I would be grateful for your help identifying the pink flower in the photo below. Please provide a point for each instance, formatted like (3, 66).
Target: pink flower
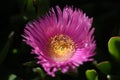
(62, 40)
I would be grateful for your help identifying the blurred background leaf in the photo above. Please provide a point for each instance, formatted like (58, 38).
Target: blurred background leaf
(6, 48)
(42, 6)
(30, 63)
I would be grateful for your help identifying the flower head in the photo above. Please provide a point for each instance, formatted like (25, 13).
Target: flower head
(62, 40)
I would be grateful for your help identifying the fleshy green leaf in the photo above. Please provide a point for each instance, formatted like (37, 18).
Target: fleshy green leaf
(5, 49)
(114, 47)
(12, 77)
(91, 74)
(104, 67)
(39, 71)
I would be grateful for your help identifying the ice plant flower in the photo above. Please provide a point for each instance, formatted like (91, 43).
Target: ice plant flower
(62, 40)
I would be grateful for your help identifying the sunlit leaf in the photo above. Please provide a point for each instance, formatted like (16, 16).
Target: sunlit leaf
(114, 47)
(104, 67)
(12, 77)
(39, 71)
(91, 74)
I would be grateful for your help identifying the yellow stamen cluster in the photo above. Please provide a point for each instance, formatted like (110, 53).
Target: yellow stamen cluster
(61, 47)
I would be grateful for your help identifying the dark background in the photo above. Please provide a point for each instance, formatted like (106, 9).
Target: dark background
(106, 20)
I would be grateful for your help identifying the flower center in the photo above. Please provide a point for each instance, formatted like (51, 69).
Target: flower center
(61, 47)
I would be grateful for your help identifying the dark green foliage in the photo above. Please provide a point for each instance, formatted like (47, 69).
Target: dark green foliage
(16, 62)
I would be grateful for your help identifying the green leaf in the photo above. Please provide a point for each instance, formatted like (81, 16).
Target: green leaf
(39, 71)
(12, 77)
(5, 50)
(29, 8)
(104, 67)
(30, 64)
(114, 47)
(91, 74)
